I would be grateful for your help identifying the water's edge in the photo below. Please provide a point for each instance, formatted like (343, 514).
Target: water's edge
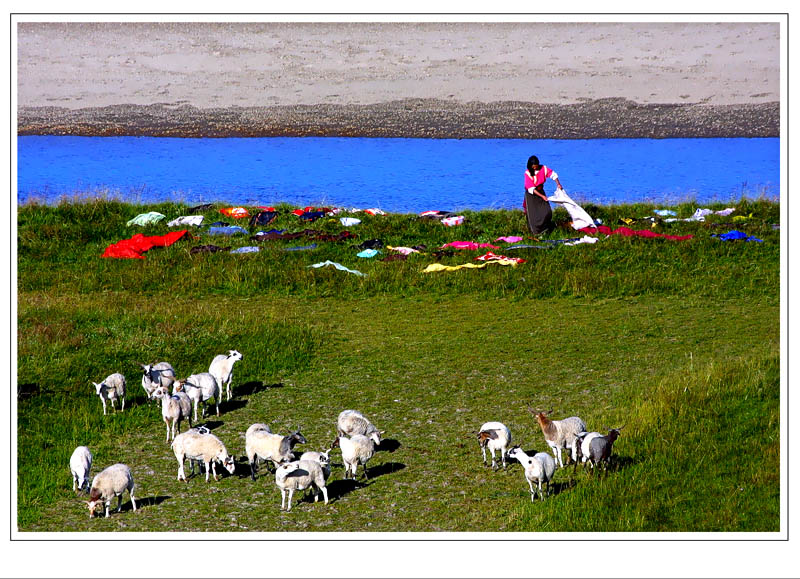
(611, 118)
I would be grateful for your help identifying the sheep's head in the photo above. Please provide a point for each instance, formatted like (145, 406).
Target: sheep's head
(177, 386)
(297, 437)
(98, 387)
(234, 355)
(376, 436)
(613, 433)
(229, 464)
(484, 436)
(146, 368)
(94, 501)
(334, 444)
(514, 452)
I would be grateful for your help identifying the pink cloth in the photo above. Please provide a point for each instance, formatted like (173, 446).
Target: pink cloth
(469, 245)
(627, 232)
(509, 239)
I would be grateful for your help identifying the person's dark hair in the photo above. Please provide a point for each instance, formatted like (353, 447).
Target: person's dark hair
(532, 160)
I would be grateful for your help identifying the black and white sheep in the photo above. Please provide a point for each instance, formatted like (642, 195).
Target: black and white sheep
(300, 475)
(352, 422)
(539, 468)
(598, 449)
(111, 482)
(80, 465)
(200, 388)
(269, 446)
(156, 375)
(494, 436)
(559, 434)
(198, 444)
(113, 389)
(222, 369)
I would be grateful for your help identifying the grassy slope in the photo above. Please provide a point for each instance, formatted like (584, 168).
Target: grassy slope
(669, 338)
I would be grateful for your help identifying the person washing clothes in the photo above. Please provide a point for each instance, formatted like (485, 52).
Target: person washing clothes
(537, 208)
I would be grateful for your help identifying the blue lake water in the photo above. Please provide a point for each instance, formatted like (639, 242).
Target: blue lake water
(397, 175)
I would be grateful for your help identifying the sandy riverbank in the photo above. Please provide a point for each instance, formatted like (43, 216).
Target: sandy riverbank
(530, 80)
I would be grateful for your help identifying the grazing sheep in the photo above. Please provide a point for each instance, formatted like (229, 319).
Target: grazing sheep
(222, 369)
(112, 388)
(600, 448)
(495, 436)
(580, 447)
(257, 426)
(539, 468)
(352, 422)
(155, 375)
(559, 433)
(300, 475)
(200, 388)
(265, 445)
(110, 483)
(357, 449)
(173, 409)
(200, 445)
(80, 465)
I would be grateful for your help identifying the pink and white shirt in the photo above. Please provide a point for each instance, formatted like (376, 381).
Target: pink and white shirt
(538, 178)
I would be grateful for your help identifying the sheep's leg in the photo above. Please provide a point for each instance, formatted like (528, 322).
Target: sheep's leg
(541, 494)
(366, 476)
(283, 497)
(123, 405)
(213, 469)
(195, 410)
(119, 502)
(325, 494)
(503, 456)
(182, 473)
(494, 463)
(133, 499)
(216, 403)
(353, 469)
(114, 408)
(166, 421)
(289, 502)
(253, 468)
(104, 406)
(74, 483)
(207, 471)
(483, 451)
(107, 504)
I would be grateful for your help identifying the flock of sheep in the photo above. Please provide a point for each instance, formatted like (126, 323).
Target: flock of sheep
(568, 434)
(357, 439)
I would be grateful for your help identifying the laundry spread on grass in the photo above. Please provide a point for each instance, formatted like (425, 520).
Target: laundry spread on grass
(135, 247)
(628, 232)
(735, 235)
(367, 253)
(451, 221)
(196, 220)
(492, 257)
(235, 212)
(338, 266)
(227, 230)
(208, 249)
(315, 234)
(471, 245)
(403, 250)
(510, 239)
(263, 218)
(301, 247)
(434, 267)
(701, 214)
(584, 239)
(147, 218)
(349, 221)
(665, 212)
(248, 249)
(526, 246)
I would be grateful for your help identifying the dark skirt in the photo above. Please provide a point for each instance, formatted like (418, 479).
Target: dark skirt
(540, 216)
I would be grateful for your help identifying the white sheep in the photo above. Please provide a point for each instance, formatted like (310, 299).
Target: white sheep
(597, 450)
(155, 375)
(352, 422)
(80, 465)
(580, 447)
(113, 389)
(110, 483)
(200, 388)
(257, 426)
(559, 433)
(222, 369)
(539, 468)
(300, 475)
(174, 409)
(323, 458)
(494, 436)
(260, 443)
(357, 449)
(202, 446)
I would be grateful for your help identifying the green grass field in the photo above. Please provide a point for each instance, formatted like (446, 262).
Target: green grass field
(676, 340)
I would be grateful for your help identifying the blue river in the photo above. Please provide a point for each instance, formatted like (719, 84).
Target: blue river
(395, 175)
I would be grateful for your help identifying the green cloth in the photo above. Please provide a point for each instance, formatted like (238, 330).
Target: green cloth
(146, 218)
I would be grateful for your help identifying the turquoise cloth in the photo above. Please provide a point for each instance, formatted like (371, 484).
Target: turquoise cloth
(368, 253)
(147, 218)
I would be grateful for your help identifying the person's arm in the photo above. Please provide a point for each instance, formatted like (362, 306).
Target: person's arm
(558, 183)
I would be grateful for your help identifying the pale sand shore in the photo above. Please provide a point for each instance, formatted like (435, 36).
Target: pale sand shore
(400, 79)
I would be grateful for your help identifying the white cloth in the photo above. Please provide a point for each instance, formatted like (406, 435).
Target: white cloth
(580, 218)
(196, 220)
(349, 221)
(584, 239)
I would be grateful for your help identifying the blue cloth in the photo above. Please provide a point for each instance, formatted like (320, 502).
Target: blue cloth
(229, 230)
(665, 212)
(523, 246)
(249, 249)
(368, 253)
(276, 231)
(301, 248)
(734, 235)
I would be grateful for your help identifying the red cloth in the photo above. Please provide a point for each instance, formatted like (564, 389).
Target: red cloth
(134, 247)
(628, 232)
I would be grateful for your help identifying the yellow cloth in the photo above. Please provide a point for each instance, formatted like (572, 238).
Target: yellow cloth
(439, 267)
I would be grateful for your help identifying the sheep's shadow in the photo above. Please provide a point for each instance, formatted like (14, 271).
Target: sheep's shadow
(210, 424)
(388, 445)
(385, 468)
(254, 387)
(147, 502)
(28, 390)
(234, 404)
(341, 487)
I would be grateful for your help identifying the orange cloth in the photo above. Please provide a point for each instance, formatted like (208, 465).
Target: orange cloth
(134, 247)
(235, 212)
